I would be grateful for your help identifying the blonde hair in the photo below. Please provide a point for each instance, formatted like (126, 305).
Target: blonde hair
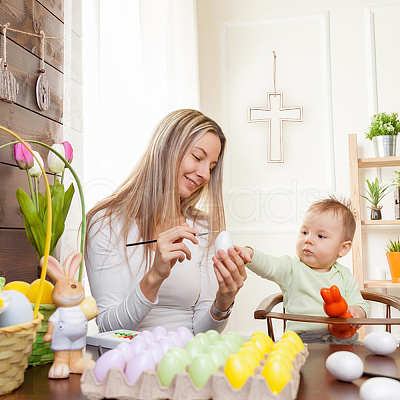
(340, 207)
(150, 194)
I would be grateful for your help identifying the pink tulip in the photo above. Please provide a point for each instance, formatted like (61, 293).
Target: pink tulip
(69, 151)
(23, 156)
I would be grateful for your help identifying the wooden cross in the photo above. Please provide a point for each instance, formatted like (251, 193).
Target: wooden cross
(275, 114)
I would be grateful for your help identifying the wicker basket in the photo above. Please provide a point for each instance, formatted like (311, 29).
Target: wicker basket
(41, 353)
(15, 348)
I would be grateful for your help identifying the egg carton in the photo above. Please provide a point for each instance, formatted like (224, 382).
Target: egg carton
(148, 387)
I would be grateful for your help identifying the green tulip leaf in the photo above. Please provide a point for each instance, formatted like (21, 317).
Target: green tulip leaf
(67, 200)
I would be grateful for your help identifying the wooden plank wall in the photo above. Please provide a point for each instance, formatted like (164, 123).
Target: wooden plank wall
(18, 259)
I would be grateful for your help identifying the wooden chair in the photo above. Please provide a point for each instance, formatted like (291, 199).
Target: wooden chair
(264, 311)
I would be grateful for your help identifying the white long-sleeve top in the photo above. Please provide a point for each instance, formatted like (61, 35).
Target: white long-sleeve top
(184, 298)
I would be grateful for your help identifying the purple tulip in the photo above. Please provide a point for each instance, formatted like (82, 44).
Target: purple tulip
(69, 151)
(23, 156)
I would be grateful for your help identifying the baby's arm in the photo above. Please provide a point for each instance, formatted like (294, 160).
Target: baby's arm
(246, 253)
(357, 312)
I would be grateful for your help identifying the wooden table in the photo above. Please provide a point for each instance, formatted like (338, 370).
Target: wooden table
(316, 382)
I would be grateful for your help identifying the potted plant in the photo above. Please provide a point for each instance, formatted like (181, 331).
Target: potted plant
(383, 132)
(375, 193)
(396, 183)
(393, 257)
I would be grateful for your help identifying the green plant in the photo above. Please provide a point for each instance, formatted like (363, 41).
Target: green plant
(397, 180)
(393, 246)
(383, 124)
(376, 192)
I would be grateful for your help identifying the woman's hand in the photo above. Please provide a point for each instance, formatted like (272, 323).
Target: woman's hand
(231, 274)
(170, 249)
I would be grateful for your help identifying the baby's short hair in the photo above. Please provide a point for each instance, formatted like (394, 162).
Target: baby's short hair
(341, 206)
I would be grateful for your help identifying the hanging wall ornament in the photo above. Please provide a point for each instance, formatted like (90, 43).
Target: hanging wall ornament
(8, 84)
(42, 83)
(275, 114)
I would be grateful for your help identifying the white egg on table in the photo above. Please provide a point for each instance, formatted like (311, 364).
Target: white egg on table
(223, 242)
(380, 389)
(19, 310)
(380, 343)
(345, 366)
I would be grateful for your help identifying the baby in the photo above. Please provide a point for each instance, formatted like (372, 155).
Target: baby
(325, 235)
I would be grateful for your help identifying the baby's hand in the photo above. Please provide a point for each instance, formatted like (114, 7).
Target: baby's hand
(357, 312)
(245, 253)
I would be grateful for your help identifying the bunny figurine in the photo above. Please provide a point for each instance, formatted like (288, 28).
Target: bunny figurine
(67, 326)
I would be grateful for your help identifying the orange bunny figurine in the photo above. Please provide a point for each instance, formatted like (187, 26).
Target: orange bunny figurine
(336, 306)
(67, 327)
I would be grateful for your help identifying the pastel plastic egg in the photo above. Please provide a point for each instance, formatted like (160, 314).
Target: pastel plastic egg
(201, 369)
(294, 337)
(223, 242)
(213, 335)
(19, 310)
(138, 343)
(345, 366)
(224, 347)
(236, 336)
(159, 332)
(127, 351)
(110, 359)
(231, 342)
(168, 367)
(277, 374)
(249, 355)
(194, 347)
(181, 353)
(89, 307)
(176, 339)
(380, 343)
(166, 343)
(185, 333)
(156, 351)
(217, 355)
(237, 370)
(141, 362)
(204, 339)
(148, 336)
(380, 389)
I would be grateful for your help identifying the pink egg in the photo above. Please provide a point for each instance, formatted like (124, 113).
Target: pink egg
(156, 350)
(159, 332)
(110, 359)
(138, 344)
(141, 362)
(185, 333)
(176, 339)
(127, 350)
(148, 336)
(166, 343)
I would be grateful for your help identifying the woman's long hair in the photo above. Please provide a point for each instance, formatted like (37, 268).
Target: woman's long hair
(150, 195)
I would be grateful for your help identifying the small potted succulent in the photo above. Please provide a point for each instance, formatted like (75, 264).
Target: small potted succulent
(383, 132)
(375, 193)
(393, 257)
(396, 183)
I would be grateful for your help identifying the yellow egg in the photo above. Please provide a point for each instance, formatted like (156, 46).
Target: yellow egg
(250, 356)
(34, 289)
(276, 374)
(264, 336)
(21, 286)
(295, 338)
(262, 342)
(89, 307)
(237, 370)
(281, 356)
(255, 348)
(283, 347)
(290, 344)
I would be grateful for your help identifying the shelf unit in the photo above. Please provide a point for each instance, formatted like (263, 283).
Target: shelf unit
(355, 165)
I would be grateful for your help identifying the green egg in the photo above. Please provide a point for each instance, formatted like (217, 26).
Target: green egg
(237, 336)
(194, 347)
(201, 369)
(204, 339)
(231, 342)
(168, 367)
(181, 353)
(224, 347)
(217, 355)
(213, 335)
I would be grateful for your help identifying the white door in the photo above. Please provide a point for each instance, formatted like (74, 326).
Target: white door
(339, 61)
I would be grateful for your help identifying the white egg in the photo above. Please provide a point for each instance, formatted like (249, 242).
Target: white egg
(345, 366)
(380, 343)
(380, 389)
(223, 242)
(19, 310)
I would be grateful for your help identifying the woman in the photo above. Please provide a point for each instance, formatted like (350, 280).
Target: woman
(171, 282)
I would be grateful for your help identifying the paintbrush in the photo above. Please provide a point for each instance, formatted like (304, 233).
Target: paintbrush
(155, 240)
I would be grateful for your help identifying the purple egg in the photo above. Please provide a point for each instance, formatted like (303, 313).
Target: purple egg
(138, 344)
(185, 333)
(110, 359)
(148, 336)
(141, 362)
(159, 332)
(176, 339)
(156, 350)
(166, 343)
(127, 350)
